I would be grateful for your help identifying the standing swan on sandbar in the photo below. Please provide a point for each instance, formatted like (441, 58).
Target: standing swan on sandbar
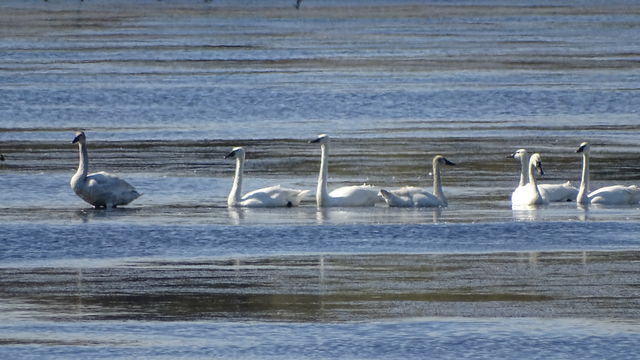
(609, 195)
(549, 192)
(99, 189)
(529, 194)
(273, 196)
(346, 196)
(412, 196)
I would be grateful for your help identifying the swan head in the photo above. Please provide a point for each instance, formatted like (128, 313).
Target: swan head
(519, 154)
(321, 139)
(80, 138)
(536, 162)
(236, 153)
(441, 160)
(584, 148)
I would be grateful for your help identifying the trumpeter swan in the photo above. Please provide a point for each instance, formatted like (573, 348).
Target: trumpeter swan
(609, 195)
(411, 196)
(346, 196)
(99, 189)
(274, 196)
(529, 194)
(549, 192)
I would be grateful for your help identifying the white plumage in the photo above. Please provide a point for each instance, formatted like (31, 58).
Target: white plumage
(609, 195)
(274, 196)
(529, 194)
(411, 196)
(549, 192)
(99, 189)
(347, 196)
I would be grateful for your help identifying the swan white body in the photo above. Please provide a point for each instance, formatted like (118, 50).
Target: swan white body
(99, 189)
(549, 192)
(274, 196)
(347, 196)
(529, 194)
(419, 197)
(609, 195)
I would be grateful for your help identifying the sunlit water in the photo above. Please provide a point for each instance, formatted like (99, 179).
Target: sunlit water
(165, 89)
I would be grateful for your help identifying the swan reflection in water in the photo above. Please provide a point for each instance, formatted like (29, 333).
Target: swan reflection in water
(86, 215)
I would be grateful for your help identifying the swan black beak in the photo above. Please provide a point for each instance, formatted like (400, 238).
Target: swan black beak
(447, 162)
(76, 139)
(581, 149)
(511, 156)
(314, 141)
(540, 171)
(231, 154)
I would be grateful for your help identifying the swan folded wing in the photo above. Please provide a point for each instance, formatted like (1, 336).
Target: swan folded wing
(274, 196)
(356, 195)
(615, 195)
(102, 189)
(558, 192)
(411, 196)
(527, 195)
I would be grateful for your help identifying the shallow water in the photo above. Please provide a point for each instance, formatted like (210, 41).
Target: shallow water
(166, 89)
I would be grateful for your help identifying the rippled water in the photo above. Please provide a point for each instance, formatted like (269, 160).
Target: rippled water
(165, 89)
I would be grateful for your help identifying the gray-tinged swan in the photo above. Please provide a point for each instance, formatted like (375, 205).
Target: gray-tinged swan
(419, 197)
(101, 189)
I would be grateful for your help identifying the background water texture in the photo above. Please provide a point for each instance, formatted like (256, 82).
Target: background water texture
(164, 89)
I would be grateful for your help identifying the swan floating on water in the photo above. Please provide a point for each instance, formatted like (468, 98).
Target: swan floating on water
(550, 192)
(530, 194)
(99, 189)
(609, 195)
(411, 196)
(346, 196)
(274, 196)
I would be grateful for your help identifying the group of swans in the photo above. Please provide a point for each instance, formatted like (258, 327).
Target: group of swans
(529, 192)
(102, 189)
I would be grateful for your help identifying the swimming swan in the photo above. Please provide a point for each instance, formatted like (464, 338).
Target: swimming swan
(273, 196)
(529, 194)
(346, 196)
(99, 189)
(609, 195)
(549, 192)
(411, 196)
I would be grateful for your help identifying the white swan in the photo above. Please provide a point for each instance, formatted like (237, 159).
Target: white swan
(549, 192)
(529, 194)
(609, 195)
(411, 196)
(99, 189)
(346, 196)
(274, 196)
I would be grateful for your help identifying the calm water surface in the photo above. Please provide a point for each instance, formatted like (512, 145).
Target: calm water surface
(165, 89)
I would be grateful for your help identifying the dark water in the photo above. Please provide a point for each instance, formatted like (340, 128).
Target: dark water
(165, 89)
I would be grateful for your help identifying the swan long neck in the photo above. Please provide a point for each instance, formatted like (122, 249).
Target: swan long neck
(437, 182)
(234, 195)
(83, 164)
(322, 193)
(532, 175)
(523, 171)
(584, 182)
